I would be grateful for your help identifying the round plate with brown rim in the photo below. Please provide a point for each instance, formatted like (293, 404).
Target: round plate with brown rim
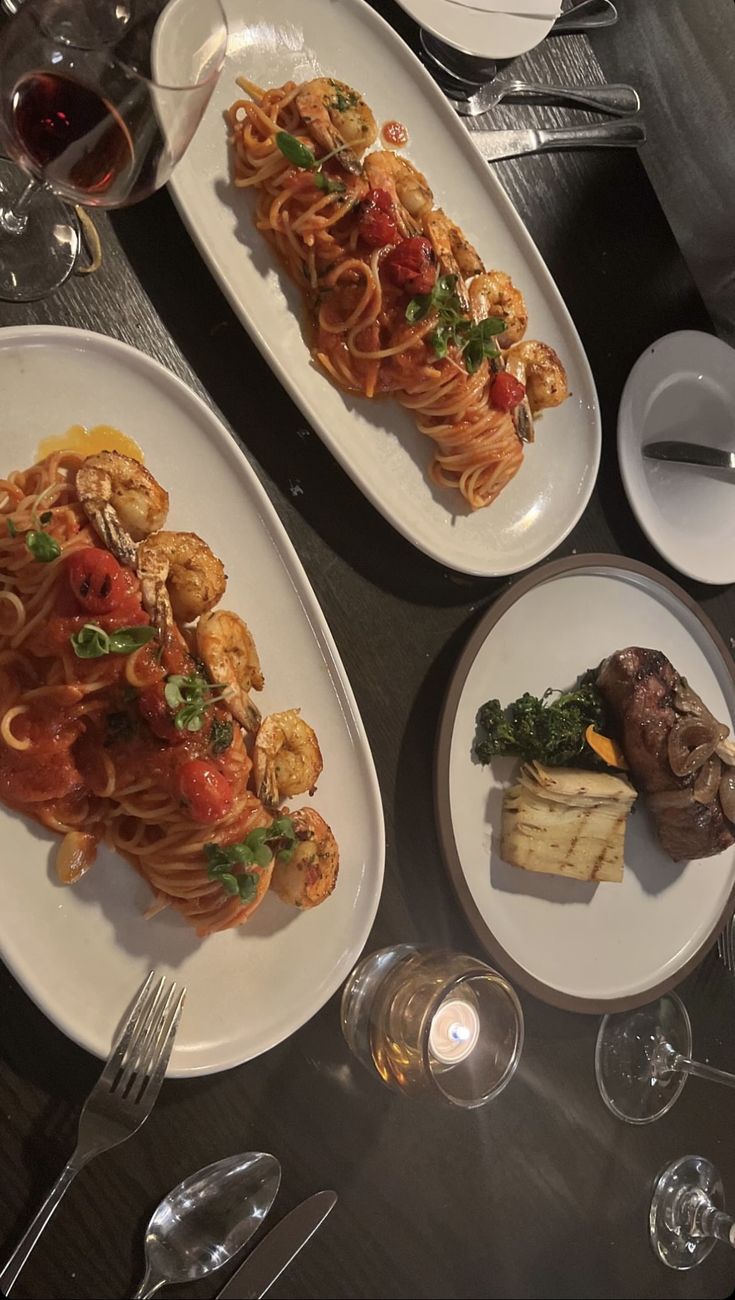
(586, 946)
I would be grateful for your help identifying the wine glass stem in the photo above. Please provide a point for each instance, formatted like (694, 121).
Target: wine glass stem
(13, 219)
(703, 1071)
(707, 1221)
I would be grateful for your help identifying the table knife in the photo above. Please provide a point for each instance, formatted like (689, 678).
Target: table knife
(274, 1253)
(508, 144)
(690, 453)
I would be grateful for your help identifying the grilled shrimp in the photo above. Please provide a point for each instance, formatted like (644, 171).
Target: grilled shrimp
(338, 118)
(226, 645)
(408, 188)
(122, 500)
(494, 294)
(538, 367)
(179, 574)
(286, 757)
(311, 874)
(455, 253)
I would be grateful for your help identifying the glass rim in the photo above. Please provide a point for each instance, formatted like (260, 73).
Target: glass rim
(142, 77)
(477, 971)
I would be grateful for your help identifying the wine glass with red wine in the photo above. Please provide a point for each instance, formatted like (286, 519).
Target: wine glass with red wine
(98, 101)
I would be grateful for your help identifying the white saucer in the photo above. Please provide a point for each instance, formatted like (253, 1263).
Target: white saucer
(682, 387)
(487, 35)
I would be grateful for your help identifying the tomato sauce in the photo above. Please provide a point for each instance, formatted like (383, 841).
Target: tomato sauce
(394, 134)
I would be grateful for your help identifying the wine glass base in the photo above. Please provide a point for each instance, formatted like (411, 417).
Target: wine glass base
(40, 256)
(630, 1083)
(670, 1238)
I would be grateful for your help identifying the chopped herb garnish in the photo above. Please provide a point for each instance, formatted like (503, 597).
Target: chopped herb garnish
(474, 340)
(189, 697)
(42, 546)
(12, 530)
(342, 101)
(92, 642)
(255, 852)
(220, 736)
(46, 517)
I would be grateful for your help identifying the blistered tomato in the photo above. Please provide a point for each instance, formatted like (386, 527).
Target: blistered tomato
(204, 789)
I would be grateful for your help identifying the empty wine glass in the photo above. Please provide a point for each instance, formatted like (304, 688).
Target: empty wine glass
(687, 1214)
(98, 101)
(643, 1057)
(431, 1021)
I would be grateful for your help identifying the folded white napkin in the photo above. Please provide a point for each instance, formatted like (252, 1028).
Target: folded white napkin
(521, 8)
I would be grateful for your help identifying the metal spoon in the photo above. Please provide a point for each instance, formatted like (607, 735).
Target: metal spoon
(207, 1219)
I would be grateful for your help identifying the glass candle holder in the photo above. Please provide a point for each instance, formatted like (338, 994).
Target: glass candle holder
(433, 1022)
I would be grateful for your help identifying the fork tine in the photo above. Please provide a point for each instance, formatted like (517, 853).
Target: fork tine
(147, 1053)
(162, 1054)
(729, 946)
(115, 1060)
(141, 1035)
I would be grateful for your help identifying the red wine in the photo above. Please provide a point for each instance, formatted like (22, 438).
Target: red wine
(77, 140)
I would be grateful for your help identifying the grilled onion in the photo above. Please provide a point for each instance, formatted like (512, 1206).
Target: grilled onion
(708, 780)
(691, 742)
(727, 793)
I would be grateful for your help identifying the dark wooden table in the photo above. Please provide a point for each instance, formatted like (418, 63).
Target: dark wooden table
(543, 1193)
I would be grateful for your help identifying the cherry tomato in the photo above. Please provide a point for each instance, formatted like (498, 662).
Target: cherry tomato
(205, 790)
(160, 719)
(411, 265)
(96, 579)
(506, 391)
(377, 223)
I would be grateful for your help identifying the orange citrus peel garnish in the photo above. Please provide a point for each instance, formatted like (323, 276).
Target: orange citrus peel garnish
(606, 748)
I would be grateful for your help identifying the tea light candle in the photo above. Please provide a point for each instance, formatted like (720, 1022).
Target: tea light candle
(454, 1031)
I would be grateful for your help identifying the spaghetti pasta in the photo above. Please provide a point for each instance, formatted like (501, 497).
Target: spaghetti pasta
(399, 301)
(111, 726)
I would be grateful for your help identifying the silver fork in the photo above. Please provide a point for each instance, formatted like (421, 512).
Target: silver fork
(616, 100)
(122, 1098)
(726, 945)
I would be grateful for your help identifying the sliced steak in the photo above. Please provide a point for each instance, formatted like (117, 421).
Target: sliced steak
(637, 686)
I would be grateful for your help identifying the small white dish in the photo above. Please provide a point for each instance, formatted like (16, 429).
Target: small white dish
(487, 35)
(682, 388)
(579, 945)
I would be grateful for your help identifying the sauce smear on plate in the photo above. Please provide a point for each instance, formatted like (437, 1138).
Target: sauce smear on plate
(394, 134)
(87, 442)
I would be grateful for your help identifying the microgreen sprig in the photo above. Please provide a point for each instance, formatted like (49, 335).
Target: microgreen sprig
(189, 697)
(92, 642)
(255, 852)
(473, 340)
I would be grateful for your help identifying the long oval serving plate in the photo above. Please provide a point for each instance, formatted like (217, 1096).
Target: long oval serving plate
(81, 951)
(581, 945)
(377, 442)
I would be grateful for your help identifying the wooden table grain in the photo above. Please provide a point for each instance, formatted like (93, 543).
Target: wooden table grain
(542, 1193)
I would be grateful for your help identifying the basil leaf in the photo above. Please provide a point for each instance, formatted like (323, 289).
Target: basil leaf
(330, 186)
(12, 530)
(126, 639)
(42, 546)
(220, 736)
(419, 307)
(91, 642)
(296, 152)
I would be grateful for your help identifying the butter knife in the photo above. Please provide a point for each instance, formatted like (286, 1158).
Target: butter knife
(508, 144)
(274, 1253)
(690, 453)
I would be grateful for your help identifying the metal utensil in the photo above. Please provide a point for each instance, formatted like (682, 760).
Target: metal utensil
(275, 1252)
(690, 453)
(619, 101)
(475, 68)
(509, 144)
(726, 945)
(207, 1219)
(122, 1098)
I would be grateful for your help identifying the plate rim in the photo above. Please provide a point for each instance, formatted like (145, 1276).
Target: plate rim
(279, 367)
(545, 992)
(87, 340)
(625, 449)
